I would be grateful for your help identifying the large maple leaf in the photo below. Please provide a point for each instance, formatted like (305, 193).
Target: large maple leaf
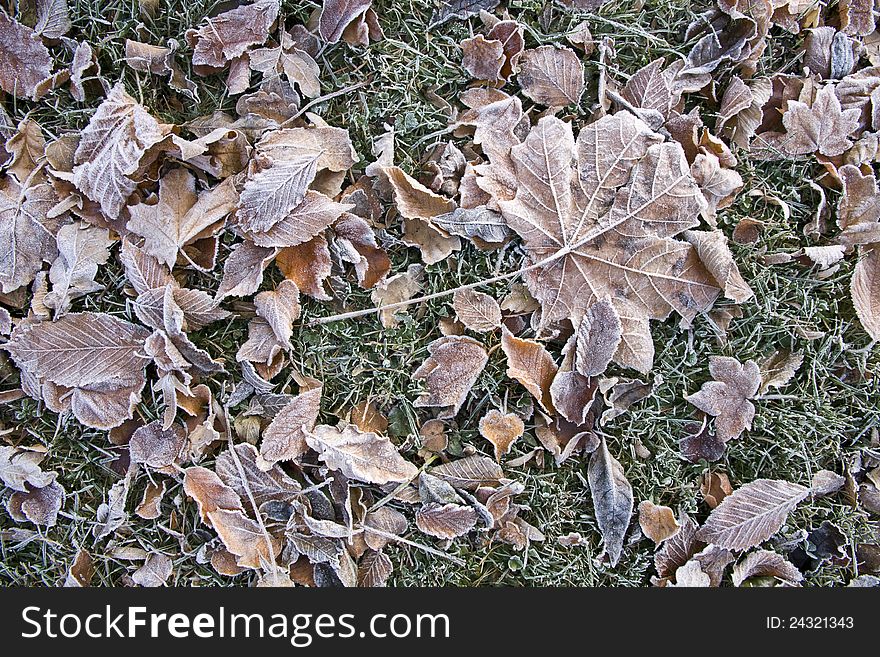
(598, 217)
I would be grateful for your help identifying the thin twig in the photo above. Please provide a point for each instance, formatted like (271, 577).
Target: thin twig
(320, 99)
(405, 541)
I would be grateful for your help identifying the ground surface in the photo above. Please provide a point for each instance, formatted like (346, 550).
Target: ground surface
(821, 419)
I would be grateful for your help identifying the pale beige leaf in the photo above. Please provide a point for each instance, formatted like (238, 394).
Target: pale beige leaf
(336, 15)
(778, 369)
(110, 150)
(822, 127)
(149, 507)
(272, 485)
(142, 270)
(27, 235)
(414, 200)
(597, 338)
(400, 287)
(712, 248)
(182, 215)
(865, 291)
(155, 571)
(764, 563)
(22, 466)
(367, 457)
(470, 472)
(306, 221)
(752, 513)
(691, 575)
(81, 249)
(532, 365)
(285, 437)
(552, 76)
(482, 58)
(243, 270)
(453, 366)
(476, 310)
(155, 447)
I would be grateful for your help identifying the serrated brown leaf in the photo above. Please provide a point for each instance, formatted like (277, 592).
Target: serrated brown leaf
(765, 563)
(612, 499)
(182, 215)
(243, 270)
(209, 492)
(305, 222)
(501, 429)
(727, 397)
(142, 270)
(280, 307)
(24, 61)
(822, 127)
(677, 550)
(285, 437)
(657, 522)
(446, 521)
(360, 455)
(477, 311)
(551, 76)
(479, 224)
(470, 473)
(453, 366)
(110, 150)
(602, 213)
(224, 37)
(532, 365)
(374, 569)
(752, 513)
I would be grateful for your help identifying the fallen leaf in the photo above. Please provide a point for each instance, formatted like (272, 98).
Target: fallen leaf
(657, 522)
(865, 291)
(778, 369)
(374, 569)
(477, 311)
(366, 457)
(501, 429)
(482, 58)
(598, 337)
(81, 249)
(149, 507)
(308, 265)
(764, 563)
(155, 571)
(24, 61)
(224, 37)
(357, 244)
(446, 521)
(470, 472)
(39, 506)
(110, 150)
(551, 76)
(269, 485)
(752, 513)
(822, 127)
(691, 575)
(243, 271)
(461, 9)
(280, 308)
(285, 437)
(678, 549)
(714, 487)
(155, 447)
(367, 417)
(612, 499)
(727, 397)
(532, 365)
(478, 223)
(453, 366)
(336, 15)
(27, 235)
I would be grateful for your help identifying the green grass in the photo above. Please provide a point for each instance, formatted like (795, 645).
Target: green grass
(828, 415)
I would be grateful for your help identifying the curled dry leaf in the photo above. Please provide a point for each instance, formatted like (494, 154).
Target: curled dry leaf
(157, 447)
(551, 76)
(612, 499)
(727, 397)
(39, 506)
(482, 58)
(657, 522)
(336, 15)
(477, 311)
(364, 456)
(453, 366)
(778, 369)
(356, 242)
(714, 487)
(532, 365)
(713, 250)
(280, 308)
(501, 429)
(765, 563)
(81, 249)
(752, 513)
(446, 521)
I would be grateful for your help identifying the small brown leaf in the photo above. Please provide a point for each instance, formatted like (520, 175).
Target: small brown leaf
(470, 473)
(285, 437)
(501, 429)
(657, 522)
(307, 265)
(727, 397)
(764, 563)
(532, 365)
(450, 371)
(155, 447)
(778, 369)
(149, 507)
(243, 271)
(482, 58)
(822, 127)
(597, 339)
(714, 487)
(336, 15)
(445, 520)
(224, 37)
(280, 308)
(24, 61)
(39, 506)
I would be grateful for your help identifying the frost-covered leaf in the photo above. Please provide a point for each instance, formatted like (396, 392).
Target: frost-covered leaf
(181, 216)
(27, 235)
(470, 472)
(357, 244)
(453, 366)
(280, 307)
(727, 397)
(476, 310)
(501, 429)
(712, 249)
(765, 563)
(778, 369)
(155, 571)
(532, 365)
(336, 15)
(612, 499)
(865, 291)
(551, 76)
(285, 437)
(24, 61)
(22, 466)
(156, 447)
(598, 336)
(222, 38)
(243, 270)
(482, 58)
(39, 505)
(110, 150)
(657, 522)
(752, 513)
(366, 457)
(446, 520)
(81, 249)
(271, 485)
(822, 127)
